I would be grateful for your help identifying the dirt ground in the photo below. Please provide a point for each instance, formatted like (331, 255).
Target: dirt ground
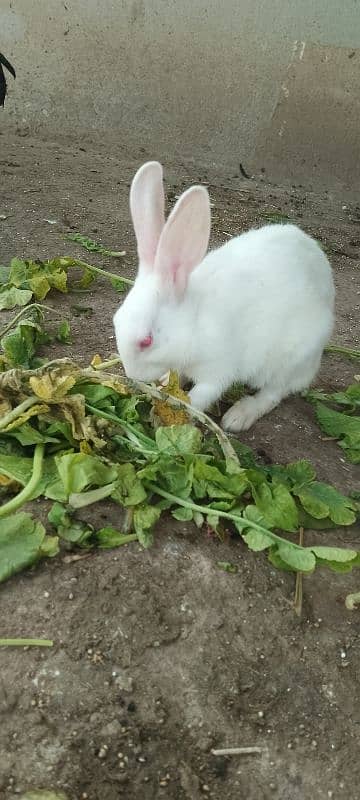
(160, 656)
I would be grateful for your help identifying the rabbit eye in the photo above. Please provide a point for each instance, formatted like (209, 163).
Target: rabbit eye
(146, 342)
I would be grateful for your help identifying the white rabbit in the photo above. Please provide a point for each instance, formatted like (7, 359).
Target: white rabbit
(258, 310)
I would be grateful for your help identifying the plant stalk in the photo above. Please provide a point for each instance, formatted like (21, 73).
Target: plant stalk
(27, 492)
(104, 272)
(16, 412)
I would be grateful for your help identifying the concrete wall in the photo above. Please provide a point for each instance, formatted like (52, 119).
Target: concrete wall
(271, 83)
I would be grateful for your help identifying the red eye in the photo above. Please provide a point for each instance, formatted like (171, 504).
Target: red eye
(147, 342)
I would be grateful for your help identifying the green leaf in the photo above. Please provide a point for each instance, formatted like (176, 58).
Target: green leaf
(350, 397)
(23, 541)
(20, 345)
(336, 423)
(126, 408)
(342, 426)
(210, 481)
(79, 470)
(178, 439)
(128, 490)
(339, 554)
(308, 522)
(89, 244)
(64, 333)
(40, 276)
(19, 469)
(87, 278)
(221, 505)
(110, 537)
(256, 540)
(118, 284)
(298, 559)
(301, 473)
(183, 514)
(85, 242)
(321, 501)
(144, 520)
(276, 561)
(277, 506)
(198, 519)
(95, 393)
(27, 435)
(227, 566)
(251, 514)
(244, 453)
(60, 431)
(178, 477)
(18, 272)
(58, 515)
(212, 520)
(67, 528)
(10, 297)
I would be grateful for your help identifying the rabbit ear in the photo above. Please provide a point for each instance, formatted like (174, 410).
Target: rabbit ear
(185, 238)
(147, 203)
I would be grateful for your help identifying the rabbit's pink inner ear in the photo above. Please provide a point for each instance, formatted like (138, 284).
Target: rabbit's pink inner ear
(185, 238)
(147, 207)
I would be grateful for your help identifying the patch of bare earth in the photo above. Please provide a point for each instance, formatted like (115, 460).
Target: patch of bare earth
(160, 656)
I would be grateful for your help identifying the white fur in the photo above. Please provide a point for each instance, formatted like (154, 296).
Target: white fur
(258, 310)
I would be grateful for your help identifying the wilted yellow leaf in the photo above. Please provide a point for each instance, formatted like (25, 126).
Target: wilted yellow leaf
(9, 483)
(40, 286)
(4, 407)
(85, 448)
(96, 361)
(164, 411)
(34, 411)
(52, 386)
(117, 384)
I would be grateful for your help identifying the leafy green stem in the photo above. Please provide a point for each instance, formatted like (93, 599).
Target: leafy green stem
(107, 364)
(27, 492)
(240, 521)
(346, 351)
(134, 435)
(14, 320)
(104, 272)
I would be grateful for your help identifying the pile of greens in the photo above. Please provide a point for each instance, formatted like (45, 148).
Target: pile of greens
(76, 436)
(338, 415)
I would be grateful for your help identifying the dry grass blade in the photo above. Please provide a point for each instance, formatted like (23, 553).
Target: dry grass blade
(298, 598)
(237, 751)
